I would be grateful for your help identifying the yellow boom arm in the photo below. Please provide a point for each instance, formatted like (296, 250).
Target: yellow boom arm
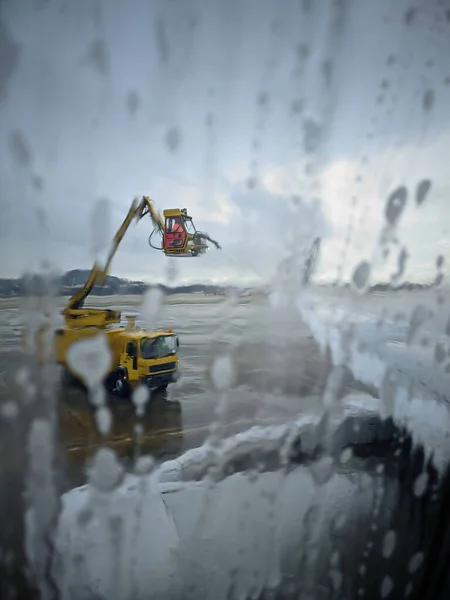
(99, 274)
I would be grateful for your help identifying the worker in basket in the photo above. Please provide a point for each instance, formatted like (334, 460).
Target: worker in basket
(176, 225)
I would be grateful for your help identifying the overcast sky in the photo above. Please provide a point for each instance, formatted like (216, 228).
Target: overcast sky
(271, 122)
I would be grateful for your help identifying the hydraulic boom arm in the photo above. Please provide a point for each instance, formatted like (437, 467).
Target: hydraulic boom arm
(78, 316)
(99, 274)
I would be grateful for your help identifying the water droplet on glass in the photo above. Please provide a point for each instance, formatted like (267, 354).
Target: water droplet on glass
(339, 522)
(390, 60)
(439, 353)
(389, 544)
(98, 395)
(37, 182)
(302, 51)
(402, 259)
(334, 560)
(98, 58)
(84, 517)
(105, 472)
(151, 306)
(346, 455)
(410, 15)
(420, 484)
(144, 465)
(408, 590)
(311, 516)
(100, 225)
(133, 102)
(297, 106)
(103, 418)
(387, 586)
(395, 204)
(428, 100)
(323, 469)
(312, 132)
(361, 275)
(223, 372)
(422, 190)
(9, 410)
(22, 376)
(19, 148)
(141, 396)
(417, 319)
(336, 578)
(90, 359)
(262, 99)
(172, 271)
(415, 562)
(327, 70)
(173, 139)
(447, 326)
(162, 41)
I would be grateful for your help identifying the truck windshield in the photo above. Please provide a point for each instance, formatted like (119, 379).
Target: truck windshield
(158, 347)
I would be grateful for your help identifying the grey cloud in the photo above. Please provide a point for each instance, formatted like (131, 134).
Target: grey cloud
(307, 64)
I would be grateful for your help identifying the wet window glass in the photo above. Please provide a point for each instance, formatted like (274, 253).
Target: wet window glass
(295, 443)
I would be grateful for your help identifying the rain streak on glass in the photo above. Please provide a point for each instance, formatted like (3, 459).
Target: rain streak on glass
(389, 544)
(105, 472)
(223, 373)
(415, 562)
(100, 225)
(90, 359)
(141, 396)
(151, 306)
(421, 484)
(361, 276)
(387, 586)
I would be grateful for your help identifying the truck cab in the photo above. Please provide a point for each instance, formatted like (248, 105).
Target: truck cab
(148, 358)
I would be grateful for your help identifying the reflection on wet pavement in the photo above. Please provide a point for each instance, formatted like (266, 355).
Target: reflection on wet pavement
(276, 369)
(162, 431)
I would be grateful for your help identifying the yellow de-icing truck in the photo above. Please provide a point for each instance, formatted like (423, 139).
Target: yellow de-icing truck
(137, 356)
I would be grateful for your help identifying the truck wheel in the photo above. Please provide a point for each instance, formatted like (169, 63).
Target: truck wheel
(162, 388)
(119, 386)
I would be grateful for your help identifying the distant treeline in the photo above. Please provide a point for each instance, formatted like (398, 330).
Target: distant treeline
(71, 281)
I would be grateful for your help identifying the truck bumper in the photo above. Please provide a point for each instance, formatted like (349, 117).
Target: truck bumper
(160, 379)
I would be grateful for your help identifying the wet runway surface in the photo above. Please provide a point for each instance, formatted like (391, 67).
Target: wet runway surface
(276, 368)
